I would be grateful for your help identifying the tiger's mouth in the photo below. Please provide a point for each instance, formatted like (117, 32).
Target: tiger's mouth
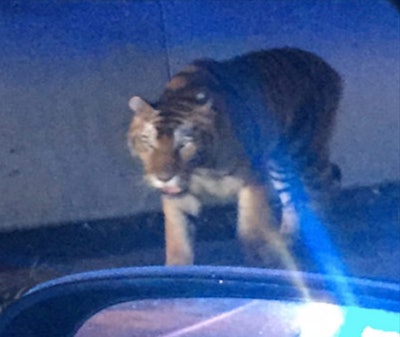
(171, 190)
(173, 187)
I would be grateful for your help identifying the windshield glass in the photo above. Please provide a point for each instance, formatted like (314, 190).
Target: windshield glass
(243, 133)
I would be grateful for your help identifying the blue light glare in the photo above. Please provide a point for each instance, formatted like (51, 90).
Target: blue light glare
(325, 255)
(254, 126)
(345, 321)
(369, 322)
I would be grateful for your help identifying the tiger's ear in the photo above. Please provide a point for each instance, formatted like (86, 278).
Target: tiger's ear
(141, 108)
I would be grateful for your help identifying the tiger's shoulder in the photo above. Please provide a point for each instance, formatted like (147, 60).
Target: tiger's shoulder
(261, 65)
(281, 79)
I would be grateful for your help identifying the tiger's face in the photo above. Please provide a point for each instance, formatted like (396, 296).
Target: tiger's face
(171, 140)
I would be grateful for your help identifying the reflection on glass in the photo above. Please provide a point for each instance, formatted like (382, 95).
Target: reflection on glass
(238, 318)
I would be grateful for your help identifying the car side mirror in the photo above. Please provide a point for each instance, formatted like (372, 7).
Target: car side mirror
(71, 305)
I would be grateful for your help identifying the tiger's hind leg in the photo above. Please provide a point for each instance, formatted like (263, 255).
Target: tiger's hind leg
(257, 230)
(313, 186)
(322, 184)
(281, 184)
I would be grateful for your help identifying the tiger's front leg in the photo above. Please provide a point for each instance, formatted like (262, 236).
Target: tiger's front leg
(179, 232)
(262, 242)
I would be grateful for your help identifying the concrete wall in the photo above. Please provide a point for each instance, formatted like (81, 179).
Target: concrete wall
(67, 70)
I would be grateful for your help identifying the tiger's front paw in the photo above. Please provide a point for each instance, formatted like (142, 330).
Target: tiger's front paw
(179, 257)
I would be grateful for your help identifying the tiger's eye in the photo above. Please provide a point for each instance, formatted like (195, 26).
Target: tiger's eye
(185, 142)
(201, 97)
(187, 149)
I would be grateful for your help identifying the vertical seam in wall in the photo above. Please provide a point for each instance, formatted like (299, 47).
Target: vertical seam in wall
(165, 39)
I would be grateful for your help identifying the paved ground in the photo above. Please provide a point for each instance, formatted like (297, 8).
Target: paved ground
(365, 227)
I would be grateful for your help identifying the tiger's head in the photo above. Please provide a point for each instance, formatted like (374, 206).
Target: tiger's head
(174, 136)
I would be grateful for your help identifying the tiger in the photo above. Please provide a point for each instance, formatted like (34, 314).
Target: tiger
(242, 129)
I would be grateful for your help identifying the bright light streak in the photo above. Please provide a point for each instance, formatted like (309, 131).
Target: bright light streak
(325, 254)
(316, 319)
(256, 141)
(290, 264)
(320, 320)
(203, 324)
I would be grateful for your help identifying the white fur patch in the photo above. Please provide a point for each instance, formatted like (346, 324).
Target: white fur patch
(149, 130)
(190, 205)
(222, 187)
(290, 220)
(157, 183)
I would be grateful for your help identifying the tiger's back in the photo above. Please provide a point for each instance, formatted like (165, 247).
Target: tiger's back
(242, 127)
(292, 95)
